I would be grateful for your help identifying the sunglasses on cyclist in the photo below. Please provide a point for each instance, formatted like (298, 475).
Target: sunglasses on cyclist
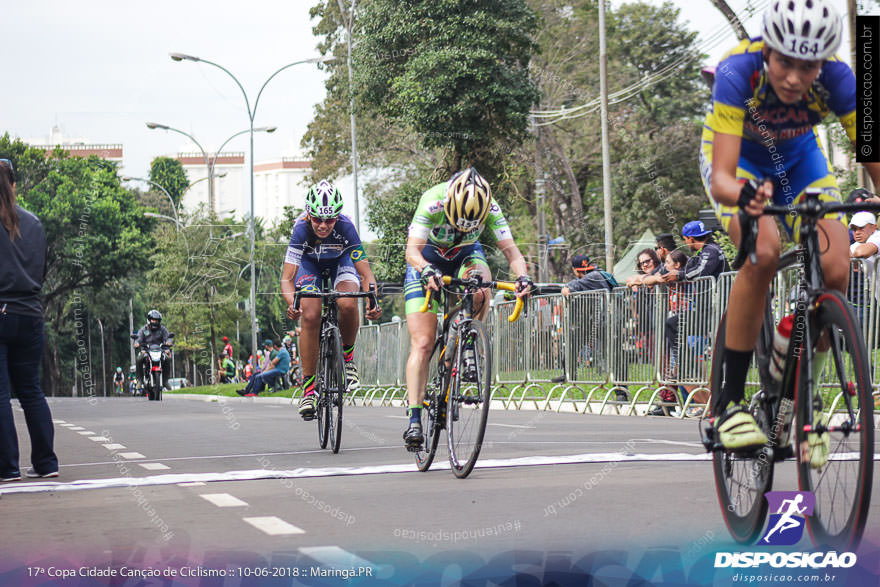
(327, 221)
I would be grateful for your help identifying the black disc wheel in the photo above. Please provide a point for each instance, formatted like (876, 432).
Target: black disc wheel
(835, 426)
(741, 479)
(467, 406)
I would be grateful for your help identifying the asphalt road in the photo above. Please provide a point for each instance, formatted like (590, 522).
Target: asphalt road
(187, 486)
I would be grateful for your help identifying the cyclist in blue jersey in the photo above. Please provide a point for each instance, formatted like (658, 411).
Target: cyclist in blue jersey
(322, 238)
(768, 96)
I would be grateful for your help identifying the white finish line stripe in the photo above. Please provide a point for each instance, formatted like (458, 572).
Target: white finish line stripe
(114, 446)
(335, 557)
(76, 428)
(86, 433)
(131, 455)
(273, 526)
(99, 438)
(223, 500)
(305, 473)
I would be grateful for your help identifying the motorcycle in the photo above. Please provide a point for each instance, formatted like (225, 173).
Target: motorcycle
(153, 377)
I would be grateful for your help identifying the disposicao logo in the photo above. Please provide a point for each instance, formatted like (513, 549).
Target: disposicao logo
(787, 525)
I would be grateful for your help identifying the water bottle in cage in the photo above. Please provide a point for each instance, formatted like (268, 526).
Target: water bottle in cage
(780, 346)
(452, 337)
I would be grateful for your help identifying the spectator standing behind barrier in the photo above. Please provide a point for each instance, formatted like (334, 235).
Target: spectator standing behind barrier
(23, 267)
(647, 263)
(587, 277)
(677, 300)
(866, 247)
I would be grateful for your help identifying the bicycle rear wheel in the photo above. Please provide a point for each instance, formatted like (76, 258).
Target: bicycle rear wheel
(840, 481)
(467, 406)
(742, 479)
(432, 422)
(335, 366)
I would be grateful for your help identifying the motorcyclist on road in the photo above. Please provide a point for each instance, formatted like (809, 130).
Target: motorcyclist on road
(153, 333)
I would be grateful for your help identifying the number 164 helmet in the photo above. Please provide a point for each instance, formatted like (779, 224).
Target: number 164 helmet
(803, 29)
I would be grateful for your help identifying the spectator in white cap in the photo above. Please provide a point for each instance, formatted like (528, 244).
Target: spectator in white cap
(866, 246)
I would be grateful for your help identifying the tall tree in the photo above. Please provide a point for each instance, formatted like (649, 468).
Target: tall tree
(170, 174)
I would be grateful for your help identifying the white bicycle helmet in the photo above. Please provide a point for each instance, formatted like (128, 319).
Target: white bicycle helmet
(803, 29)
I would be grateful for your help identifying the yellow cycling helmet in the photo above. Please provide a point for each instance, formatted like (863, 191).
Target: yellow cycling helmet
(468, 198)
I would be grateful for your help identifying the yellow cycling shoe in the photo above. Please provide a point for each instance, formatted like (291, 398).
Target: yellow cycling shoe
(737, 429)
(818, 446)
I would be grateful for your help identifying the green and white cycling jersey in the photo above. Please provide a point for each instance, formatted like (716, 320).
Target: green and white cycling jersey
(430, 223)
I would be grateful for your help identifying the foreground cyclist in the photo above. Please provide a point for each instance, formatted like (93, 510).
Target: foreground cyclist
(768, 96)
(444, 240)
(322, 238)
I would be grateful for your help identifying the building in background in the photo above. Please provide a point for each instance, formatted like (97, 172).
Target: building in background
(229, 179)
(277, 184)
(76, 147)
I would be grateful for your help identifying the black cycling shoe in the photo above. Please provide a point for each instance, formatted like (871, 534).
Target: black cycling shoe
(413, 437)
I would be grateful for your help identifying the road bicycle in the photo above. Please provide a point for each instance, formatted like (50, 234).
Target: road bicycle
(840, 405)
(330, 382)
(459, 385)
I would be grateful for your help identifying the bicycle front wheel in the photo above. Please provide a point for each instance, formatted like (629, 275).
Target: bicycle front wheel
(467, 406)
(836, 463)
(431, 418)
(742, 479)
(322, 395)
(334, 364)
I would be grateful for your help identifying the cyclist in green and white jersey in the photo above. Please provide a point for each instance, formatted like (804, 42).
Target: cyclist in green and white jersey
(444, 240)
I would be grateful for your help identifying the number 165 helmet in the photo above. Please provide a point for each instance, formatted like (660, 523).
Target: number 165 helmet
(803, 29)
(323, 200)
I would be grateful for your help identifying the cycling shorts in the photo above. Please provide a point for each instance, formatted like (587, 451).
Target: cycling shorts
(466, 260)
(794, 166)
(308, 275)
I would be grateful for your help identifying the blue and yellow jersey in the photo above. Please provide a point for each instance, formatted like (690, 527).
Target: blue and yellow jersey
(744, 104)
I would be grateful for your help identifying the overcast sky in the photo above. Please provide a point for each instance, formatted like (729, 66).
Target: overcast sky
(100, 69)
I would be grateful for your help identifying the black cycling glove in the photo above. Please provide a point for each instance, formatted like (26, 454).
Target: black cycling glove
(429, 272)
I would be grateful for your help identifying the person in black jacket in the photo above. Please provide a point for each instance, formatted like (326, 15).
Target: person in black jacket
(153, 333)
(22, 271)
(587, 277)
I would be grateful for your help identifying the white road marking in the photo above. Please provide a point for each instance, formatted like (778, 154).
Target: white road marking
(510, 425)
(99, 438)
(273, 526)
(192, 484)
(131, 455)
(68, 425)
(77, 428)
(335, 557)
(85, 432)
(154, 466)
(62, 422)
(223, 500)
(114, 446)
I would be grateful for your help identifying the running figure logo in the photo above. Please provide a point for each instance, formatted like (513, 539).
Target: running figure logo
(787, 523)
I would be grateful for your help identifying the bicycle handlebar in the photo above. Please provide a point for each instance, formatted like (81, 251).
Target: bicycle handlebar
(370, 295)
(478, 283)
(810, 208)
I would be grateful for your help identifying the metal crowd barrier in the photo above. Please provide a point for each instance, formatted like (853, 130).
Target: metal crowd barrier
(602, 351)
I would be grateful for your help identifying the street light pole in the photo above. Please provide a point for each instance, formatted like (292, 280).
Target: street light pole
(349, 25)
(251, 114)
(164, 191)
(209, 162)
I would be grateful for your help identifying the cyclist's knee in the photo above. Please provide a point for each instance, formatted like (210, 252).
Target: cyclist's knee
(311, 318)
(767, 256)
(421, 344)
(836, 274)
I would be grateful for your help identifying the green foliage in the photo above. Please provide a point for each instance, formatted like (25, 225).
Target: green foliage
(169, 174)
(454, 71)
(98, 244)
